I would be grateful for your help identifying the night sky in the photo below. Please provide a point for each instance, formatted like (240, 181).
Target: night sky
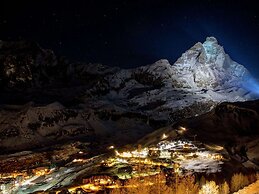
(133, 33)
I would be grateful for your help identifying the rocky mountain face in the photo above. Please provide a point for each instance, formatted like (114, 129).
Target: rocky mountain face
(208, 66)
(45, 98)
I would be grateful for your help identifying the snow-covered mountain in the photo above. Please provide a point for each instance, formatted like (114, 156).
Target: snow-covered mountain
(96, 100)
(203, 75)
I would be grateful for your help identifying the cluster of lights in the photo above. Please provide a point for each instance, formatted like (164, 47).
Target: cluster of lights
(174, 145)
(144, 161)
(167, 152)
(143, 153)
(22, 179)
(12, 175)
(41, 171)
(85, 187)
(78, 160)
(132, 160)
(107, 183)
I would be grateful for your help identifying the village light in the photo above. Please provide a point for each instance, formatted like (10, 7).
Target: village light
(78, 160)
(164, 136)
(111, 147)
(181, 129)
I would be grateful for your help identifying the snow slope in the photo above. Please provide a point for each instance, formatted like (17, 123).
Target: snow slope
(55, 99)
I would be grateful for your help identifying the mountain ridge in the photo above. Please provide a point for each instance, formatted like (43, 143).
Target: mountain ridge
(70, 100)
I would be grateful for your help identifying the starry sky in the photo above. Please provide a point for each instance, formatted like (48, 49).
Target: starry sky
(133, 33)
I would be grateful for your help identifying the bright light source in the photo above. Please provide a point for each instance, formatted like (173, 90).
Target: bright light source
(164, 136)
(111, 147)
(78, 160)
(182, 128)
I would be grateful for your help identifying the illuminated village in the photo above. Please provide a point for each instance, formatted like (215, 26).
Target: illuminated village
(160, 128)
(169, 162)
(129, 97)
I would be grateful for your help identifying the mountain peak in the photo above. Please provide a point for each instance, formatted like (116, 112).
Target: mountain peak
(204, 53)
(212, 49)
(211, 39)
(209, 65)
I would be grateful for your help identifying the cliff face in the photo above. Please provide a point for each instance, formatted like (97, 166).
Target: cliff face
(60, 100)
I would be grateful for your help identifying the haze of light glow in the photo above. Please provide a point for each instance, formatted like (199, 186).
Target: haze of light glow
(252, 85)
